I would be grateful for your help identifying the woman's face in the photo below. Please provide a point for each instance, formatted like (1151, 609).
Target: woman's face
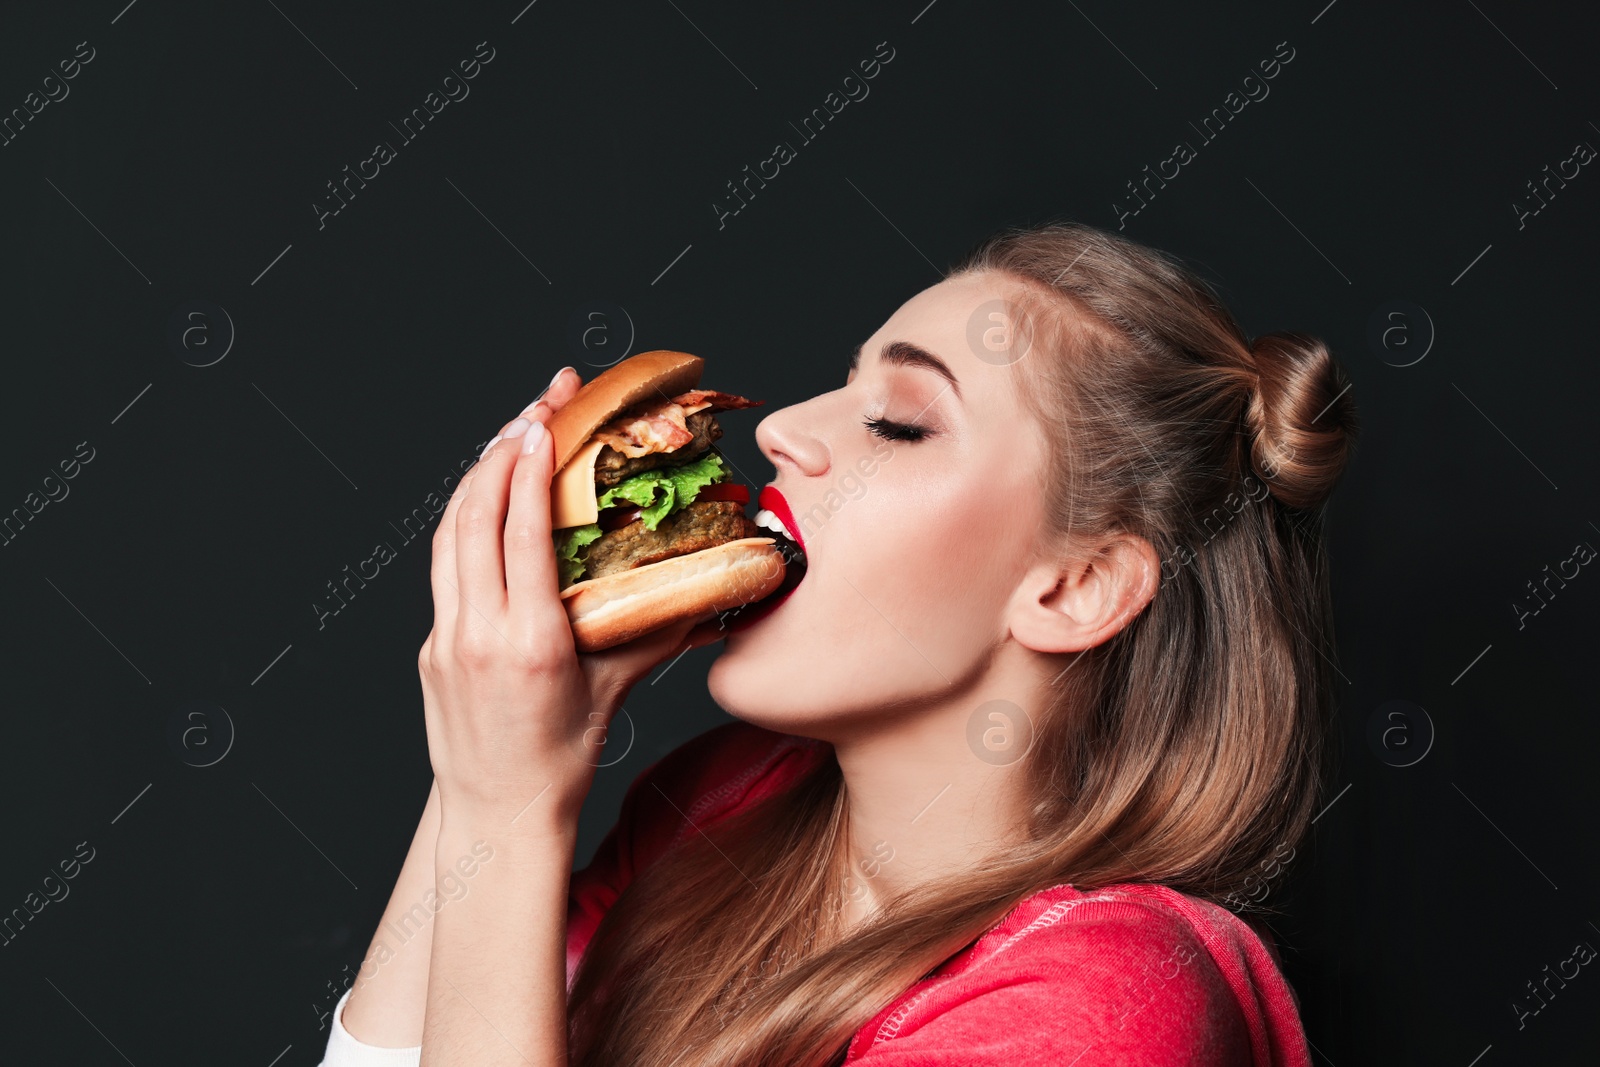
(914, 546)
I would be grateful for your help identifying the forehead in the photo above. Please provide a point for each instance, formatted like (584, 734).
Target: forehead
(976, 324)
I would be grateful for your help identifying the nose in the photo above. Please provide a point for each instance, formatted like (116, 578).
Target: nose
(788, 439)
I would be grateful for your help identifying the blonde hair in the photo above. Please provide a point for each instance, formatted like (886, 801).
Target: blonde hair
(1184, 751)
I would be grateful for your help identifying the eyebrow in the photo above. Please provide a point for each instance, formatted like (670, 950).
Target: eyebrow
(906, 354)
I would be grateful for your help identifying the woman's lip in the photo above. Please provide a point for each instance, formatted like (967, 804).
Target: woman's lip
(774, 502)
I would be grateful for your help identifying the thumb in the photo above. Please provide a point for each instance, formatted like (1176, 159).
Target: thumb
(705, 633)
(623, 665)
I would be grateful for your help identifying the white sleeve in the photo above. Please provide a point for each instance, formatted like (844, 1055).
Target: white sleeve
(345, 1051)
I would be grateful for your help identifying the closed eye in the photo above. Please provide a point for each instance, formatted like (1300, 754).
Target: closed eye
(896, 431)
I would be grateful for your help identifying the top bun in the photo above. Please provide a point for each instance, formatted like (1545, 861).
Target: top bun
(617, 388)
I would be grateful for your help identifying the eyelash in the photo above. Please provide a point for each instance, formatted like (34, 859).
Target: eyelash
(895, 431)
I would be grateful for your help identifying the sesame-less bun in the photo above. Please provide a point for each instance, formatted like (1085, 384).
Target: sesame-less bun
(619, 607)
(659, 374)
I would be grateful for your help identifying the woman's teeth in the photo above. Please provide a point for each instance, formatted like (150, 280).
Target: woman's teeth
(792, 551)
(768, 521)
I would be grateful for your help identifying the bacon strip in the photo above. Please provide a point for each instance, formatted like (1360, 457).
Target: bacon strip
(662, 426)
(708, 399)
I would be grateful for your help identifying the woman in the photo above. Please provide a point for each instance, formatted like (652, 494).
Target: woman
(1053, 690)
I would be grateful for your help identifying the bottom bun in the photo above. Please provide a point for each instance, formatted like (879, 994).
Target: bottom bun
(619, 607)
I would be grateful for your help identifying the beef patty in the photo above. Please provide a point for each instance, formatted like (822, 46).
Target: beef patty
(699, 526)
(611, 466)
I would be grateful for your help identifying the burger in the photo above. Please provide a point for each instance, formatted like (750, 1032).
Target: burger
(647, 519)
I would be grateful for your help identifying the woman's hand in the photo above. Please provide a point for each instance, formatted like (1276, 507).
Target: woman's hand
(516, 719)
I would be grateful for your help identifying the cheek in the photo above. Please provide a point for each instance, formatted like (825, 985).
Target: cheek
(941, 565)
(907, 591)
(924, 528)
(937, 572)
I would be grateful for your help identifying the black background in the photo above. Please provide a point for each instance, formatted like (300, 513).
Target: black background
(372, 355)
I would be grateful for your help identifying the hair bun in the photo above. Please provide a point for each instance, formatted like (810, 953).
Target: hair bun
(1301, 417)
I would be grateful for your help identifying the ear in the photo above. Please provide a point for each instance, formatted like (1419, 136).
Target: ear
(1071, 603)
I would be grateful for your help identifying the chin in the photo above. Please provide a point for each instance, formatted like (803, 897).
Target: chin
(734, 682)
(746, 689)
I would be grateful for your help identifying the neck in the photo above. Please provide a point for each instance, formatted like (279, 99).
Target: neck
(932, 794)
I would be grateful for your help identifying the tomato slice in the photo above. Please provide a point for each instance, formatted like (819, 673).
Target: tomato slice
(618, 517)
(739, 494)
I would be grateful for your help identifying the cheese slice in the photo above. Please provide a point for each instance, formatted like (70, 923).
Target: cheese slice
(572, 493)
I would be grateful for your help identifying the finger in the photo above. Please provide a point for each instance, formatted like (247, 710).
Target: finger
(542, 410)
(530, 560)
(442, 571)
(615, 670)
(705, 633)
(479, 530)
(562, 388)
(531, 574)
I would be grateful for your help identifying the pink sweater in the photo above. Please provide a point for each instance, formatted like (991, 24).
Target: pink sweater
(1128, 974)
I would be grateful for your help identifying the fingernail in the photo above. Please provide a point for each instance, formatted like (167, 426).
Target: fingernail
(517, 428)
(488, 446)
(547, 388)
(533, 438)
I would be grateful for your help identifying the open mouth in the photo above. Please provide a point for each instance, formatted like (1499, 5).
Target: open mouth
(774, 517)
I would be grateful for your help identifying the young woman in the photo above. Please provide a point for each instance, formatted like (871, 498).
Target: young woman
(1048, 703)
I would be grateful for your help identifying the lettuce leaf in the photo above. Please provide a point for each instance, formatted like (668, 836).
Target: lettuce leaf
(657, 493)
(567, 544)
(660, 492)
